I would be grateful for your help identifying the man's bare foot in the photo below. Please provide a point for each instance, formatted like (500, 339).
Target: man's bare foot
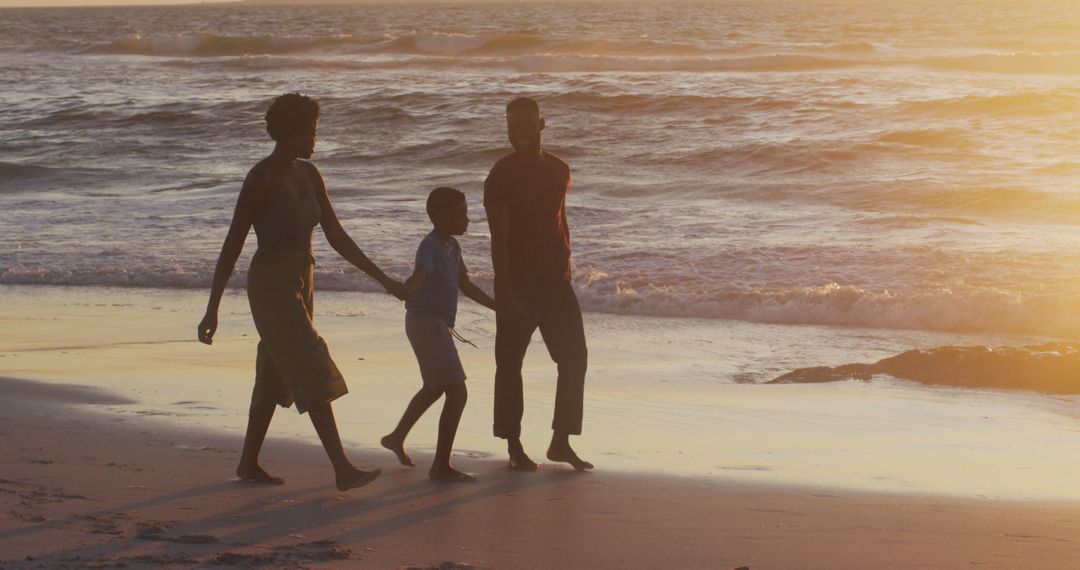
(519, 461)
(255, 474)
(450, 475)
(356, 478)
(563, 453)
(396, 445)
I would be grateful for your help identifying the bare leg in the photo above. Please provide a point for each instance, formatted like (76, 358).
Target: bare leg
(395, 440)
(347, 476)
(456, 396)
(259, 415)
(561, 451)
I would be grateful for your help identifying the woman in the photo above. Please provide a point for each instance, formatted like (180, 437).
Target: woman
(284, 197)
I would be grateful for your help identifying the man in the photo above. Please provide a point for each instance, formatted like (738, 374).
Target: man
(525, 199)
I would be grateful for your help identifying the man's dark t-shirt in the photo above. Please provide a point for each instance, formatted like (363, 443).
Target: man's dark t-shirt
(534, 193)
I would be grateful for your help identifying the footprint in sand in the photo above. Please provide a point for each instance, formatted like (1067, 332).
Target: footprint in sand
(448, 565)
(316, 551)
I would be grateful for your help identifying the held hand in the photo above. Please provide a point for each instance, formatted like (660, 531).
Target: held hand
(397, 289)
(207, 328)
(506, 302)
(509, 306)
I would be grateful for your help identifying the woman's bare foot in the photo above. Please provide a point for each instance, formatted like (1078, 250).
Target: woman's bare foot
(450, 475)
(256, 474)
(563, 453)
(396, 445)
(356, 478)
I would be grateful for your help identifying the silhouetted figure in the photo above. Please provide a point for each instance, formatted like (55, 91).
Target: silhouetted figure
(284, 198)
(525, 199)
(429, 323)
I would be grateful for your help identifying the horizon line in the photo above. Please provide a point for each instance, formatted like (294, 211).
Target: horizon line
(162, 3)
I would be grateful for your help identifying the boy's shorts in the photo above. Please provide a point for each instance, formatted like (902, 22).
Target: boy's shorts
(435, 351)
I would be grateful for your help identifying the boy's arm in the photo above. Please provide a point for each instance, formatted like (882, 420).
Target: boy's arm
(416, 280)
(476, 293)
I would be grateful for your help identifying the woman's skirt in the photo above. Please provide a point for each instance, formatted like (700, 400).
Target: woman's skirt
(293, 363)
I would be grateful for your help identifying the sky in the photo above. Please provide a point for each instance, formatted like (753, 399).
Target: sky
(53, 3)
(45, 3)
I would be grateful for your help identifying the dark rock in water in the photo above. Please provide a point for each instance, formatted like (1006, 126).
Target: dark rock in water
(1051, 368)
(818, 374)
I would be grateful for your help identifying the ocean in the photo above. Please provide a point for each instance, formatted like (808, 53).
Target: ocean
(887, 165)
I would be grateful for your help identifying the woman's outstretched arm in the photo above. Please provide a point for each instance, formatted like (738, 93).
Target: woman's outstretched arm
(246, 207)
(345, 246)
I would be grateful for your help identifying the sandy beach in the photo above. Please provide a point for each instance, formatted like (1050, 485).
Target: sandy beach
(121, 436)
(85, 489)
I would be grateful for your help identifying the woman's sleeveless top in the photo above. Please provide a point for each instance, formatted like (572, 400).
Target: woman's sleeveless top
(287, 221)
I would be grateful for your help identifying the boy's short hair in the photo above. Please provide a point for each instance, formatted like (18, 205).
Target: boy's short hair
(442, 199)
(523, 104)
(289, 114)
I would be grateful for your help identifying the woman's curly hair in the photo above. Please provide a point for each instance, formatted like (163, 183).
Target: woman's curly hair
(289, 114)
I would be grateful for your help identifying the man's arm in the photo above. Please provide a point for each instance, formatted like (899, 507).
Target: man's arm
(565, 224)
(499, 222)
(562, 208)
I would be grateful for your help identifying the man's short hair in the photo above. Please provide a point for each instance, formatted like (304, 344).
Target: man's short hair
(523, 104)
(289, 114)
(441, 199)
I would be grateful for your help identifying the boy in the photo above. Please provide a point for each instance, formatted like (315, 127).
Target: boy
(429, 324)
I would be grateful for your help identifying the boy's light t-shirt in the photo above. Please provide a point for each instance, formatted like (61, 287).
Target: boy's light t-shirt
(439, 293)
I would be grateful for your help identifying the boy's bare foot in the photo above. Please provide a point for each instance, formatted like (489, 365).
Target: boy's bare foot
(563, 453)
(396, 445)
(255, 474)
(450, 475)
(356, 478)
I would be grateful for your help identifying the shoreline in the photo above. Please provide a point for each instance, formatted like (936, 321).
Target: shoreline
(89, 489)
(672, 397)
